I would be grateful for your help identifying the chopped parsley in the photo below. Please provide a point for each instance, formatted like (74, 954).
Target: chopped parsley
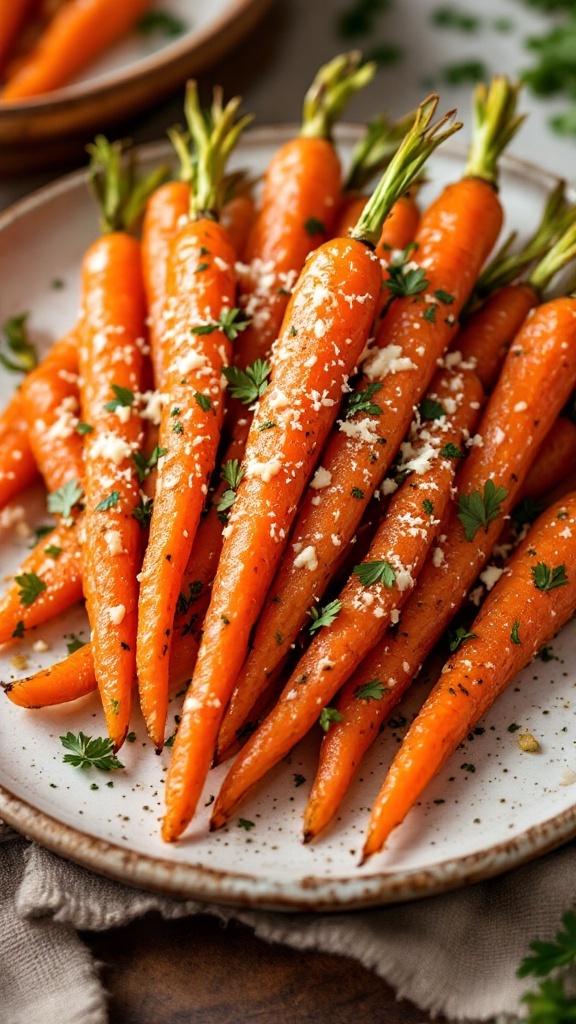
(18, 632)
(232, 474)
(404, 279)
(31, 586)
(429, 314)
(514, 634)
(479, 510)
(526, 511)
(53, 551)
(83, 428)
(445, 297)
(546, 578)
(457, 637)
(161, 21)
(123, 398)
(17, 353)
(356, 492)
(299, 780)
(314, 227)
(178, 428)
(428, 507)
(327, 718)
(268, 425)
(144, 465)
(88, 752)
(203, 401)
(74, 643)
(108, 503)
(451, 451)
(361, 401)
(250, 384)
(62, 501)
(246, 824)
(230, 322)
(375, 572)
(374, 690)
(142, 512)
(324, 616)
(452, 18)
(431, 410)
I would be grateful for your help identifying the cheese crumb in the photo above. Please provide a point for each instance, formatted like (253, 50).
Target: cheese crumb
(307, 558)
(116, 614)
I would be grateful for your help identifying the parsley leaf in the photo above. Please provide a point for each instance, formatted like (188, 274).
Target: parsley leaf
(374, 690)
(161, 21)
(361, 401)
(246, 824)
(313, 226)
(31, 586)
(548, 956)
(404, 279)
(233, 473)
(18, 632)
(250, 384)
(20, 356)
(53, 551)
(87, 752)
(62, 501)
(457, 637)
(445, 297)
(546, 578)
(123, 398)
(74, 643)
(323, 617)
(451, 451)
(109, 502)
(514, 632)
(428, 507)
(83, 428)
(203, 401)
(142, 513)
(526, 511)
(230, 322)
(479, 510)
(431, 410)
(375, 572)
(328, 716)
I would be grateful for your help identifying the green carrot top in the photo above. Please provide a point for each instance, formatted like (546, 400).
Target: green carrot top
(112, 179)
(495, 123)
(332, 89)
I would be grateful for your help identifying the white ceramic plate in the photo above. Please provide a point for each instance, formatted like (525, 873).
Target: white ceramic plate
(469, 825)
(135, 73)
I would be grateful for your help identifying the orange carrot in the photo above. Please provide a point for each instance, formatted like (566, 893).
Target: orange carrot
(528, 605)
(488, 333)
(237, 219)
(411, 337)
(112, 339)
(65, 681)
(555, 460)
(298, 208)
(50, 400)
(17, 464)
(78, 33)
(201, 323)
(536, 379)
(373, 595)
(323, 333)
(12, 18)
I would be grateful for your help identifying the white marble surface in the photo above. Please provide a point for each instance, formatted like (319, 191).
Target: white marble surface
(272, 68)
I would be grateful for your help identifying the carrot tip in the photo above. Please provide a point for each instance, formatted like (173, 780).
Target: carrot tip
(307, 835)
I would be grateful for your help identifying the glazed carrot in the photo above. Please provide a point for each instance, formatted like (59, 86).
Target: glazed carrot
(555, 460)
(18, 468)
(488, 333)
(12, 17)
(298, 208)
(373, 595)
(536, 379)
(237, 218)
(431, 290)
(56, 565)
(50, 400)
(60, 683)
(201, 323)
(323, 332)
(78, 33)
(528, 605)
(112, 337)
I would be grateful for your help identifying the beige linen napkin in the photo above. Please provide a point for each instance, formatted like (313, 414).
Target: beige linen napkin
(454, 954)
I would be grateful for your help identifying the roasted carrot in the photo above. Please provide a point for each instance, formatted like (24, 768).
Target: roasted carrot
(526, 608)
(425, 299)
(536, 379)
(201, 322)
(555, 461)
(78, 33)
(13, 16)
(50, 401)
(112, 336)
(373, 595)
(17, 464)
(60, 683)
(298, 208)
(324, 331)
(238, 215)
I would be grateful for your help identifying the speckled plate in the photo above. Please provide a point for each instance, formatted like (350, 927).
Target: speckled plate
(471, 824)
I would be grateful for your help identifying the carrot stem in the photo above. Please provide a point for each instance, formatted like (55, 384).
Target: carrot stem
(331, 91)
(495, 123)
(373, 153)
(120, 195)
(418, 144)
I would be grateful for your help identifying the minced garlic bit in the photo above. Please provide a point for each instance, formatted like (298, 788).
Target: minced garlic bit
(40, 646)
(307, 558)
(528, 743)
(19, 662)
(116, 614)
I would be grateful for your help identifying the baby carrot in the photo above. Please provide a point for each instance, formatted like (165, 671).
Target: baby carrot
(536, 379)
(50, 400)
(60, 683)
(77, 34)
(455, 235)
(324, 330)
(527, 606)
(375, 592)
(299, 203)
(554, 462)
(18, 468)
(201, 323)
(12, 18)
(112, 337)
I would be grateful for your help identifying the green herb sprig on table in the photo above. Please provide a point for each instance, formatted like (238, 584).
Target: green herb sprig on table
(550, 1003)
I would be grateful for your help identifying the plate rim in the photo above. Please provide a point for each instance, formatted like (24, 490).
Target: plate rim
(189, 42)
(200, 882)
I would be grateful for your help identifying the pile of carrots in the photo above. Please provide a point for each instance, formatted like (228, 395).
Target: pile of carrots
(46, 43)
(286, 438)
